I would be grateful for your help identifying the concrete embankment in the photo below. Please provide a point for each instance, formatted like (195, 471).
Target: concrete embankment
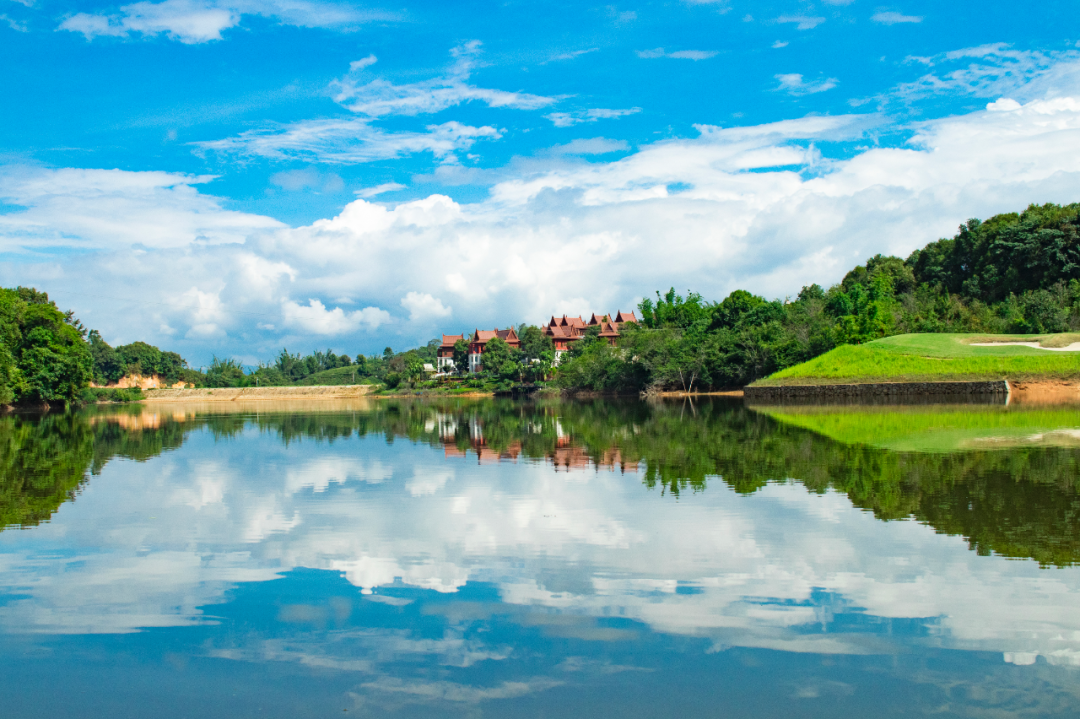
(247, 394)
(780, 393)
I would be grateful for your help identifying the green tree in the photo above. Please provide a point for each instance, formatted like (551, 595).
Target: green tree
(461, 356)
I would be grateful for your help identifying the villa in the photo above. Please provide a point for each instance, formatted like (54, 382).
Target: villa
(562, 331)
(444, 356)
(477, 343)
(566, 330)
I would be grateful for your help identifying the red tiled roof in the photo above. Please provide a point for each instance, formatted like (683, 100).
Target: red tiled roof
(621, 317)
(484, 336)
(449, 340)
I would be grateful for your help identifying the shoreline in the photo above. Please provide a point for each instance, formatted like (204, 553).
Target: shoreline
(247, 394)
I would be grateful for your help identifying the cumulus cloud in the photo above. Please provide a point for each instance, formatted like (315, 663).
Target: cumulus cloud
(793, 84)
(678, 54)
(317, 320)
(422, 306)
(892, 18)
(199, 21)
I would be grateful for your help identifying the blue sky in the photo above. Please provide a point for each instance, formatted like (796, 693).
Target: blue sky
(232, 176)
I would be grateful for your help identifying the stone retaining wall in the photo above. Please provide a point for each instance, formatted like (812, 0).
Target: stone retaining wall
(779, 393)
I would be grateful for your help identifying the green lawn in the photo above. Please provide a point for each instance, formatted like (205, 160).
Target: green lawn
(938, 428)
(936, 357)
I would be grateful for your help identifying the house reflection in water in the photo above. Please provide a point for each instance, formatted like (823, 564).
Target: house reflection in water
(565, 456)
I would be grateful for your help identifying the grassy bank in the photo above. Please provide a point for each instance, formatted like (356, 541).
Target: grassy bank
(938, 428)
(937, 357)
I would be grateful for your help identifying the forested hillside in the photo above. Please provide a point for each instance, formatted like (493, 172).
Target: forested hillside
(1014, 273)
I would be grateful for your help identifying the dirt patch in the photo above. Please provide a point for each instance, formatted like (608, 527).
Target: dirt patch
(1044, 392)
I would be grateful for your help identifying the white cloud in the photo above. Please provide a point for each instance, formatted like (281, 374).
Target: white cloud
(199, 21)
(892, 18)
(779, 44)
(379, 189)
(802, 22)
(349, 141)
(378, 98)
(14, 24)
(992, 71)
(316, 319)
(307, 179)
(571, 55)
(422, 306)
(591, 146)
(758, 207)
(352, 140)
(678, 55)
(569, 119)
(111, 209)
(794, 84)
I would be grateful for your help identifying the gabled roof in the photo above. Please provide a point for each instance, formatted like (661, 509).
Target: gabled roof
(607, 329)
(597, 319)
(621, 317)
(449, 340)
(484, 336)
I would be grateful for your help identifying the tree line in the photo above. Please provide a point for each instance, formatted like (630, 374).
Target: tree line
(1014, 273)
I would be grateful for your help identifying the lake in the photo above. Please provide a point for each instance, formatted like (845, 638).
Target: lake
(491, 558)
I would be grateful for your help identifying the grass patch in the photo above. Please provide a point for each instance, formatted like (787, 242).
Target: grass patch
(938, 428)
(934, 357)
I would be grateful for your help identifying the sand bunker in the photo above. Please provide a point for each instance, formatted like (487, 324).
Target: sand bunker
(1074, 347)
(1045, 392)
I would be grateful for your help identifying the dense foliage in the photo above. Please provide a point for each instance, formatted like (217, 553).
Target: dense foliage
(1014, 273)
(43, 353)
(137, 358)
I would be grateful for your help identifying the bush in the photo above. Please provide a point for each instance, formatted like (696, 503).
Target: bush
(92, 395)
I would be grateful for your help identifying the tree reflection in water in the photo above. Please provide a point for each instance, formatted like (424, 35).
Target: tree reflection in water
(1016, 501)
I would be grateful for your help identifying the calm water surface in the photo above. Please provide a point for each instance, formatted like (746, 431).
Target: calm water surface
(501, 559)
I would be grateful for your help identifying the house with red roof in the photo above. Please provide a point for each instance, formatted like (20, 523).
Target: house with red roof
(444, 356)
(479, 341)
(566, 330)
